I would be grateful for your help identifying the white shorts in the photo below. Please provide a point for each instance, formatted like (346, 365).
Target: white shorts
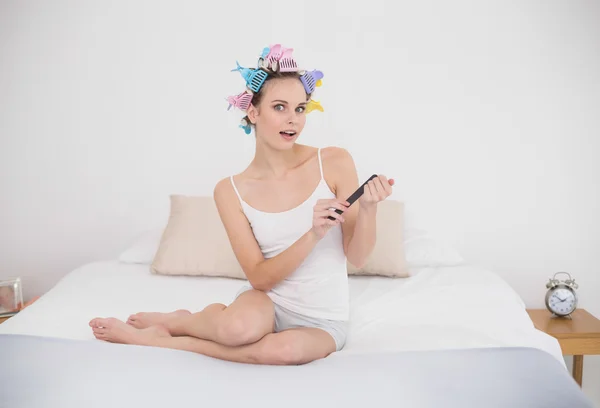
(286, 319)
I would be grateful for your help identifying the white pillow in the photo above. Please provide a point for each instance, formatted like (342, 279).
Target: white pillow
(424, 250)
(143, 248)
(421, 250)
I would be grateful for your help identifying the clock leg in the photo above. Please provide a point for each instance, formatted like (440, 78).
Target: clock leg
(578, 369)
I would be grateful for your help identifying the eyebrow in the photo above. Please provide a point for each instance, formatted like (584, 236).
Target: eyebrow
(280, 100)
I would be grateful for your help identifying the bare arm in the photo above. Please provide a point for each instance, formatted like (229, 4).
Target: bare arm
(267, 273)
(361, 244)
(263, 274)
(359, 228)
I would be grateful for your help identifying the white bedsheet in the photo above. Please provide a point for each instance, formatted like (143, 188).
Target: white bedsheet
(438, 308)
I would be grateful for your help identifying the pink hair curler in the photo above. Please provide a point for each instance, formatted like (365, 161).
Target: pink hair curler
(287, 62)
(273, 56)
(241, 101)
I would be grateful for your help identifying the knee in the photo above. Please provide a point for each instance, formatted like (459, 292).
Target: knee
(238, 331)
(214, 308)
(282, 351)
(290, 353)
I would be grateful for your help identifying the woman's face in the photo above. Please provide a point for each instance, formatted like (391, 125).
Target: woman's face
(280, 116)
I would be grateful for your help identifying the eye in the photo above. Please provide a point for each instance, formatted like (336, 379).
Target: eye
(301, 109)
(279, 106)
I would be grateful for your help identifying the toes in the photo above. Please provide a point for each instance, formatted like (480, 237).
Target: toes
(100, 333)
(134, 318)
(99, 322)
(94, 322)
(107, 322)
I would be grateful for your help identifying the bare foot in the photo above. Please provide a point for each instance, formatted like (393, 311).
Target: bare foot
(115, 331)
(143, 320)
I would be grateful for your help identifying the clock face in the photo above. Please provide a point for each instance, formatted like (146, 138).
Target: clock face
(562, 301)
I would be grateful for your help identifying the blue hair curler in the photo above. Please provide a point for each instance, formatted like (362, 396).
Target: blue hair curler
(255, 78)
(246, 126)
(261, 60)
(265, 52)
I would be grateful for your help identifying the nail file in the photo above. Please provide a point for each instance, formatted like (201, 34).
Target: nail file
(355, 196)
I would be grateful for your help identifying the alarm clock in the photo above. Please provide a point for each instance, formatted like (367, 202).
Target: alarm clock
(561, 298)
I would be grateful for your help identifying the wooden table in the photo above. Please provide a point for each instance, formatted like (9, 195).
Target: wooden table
(4, 318)
(578, 335)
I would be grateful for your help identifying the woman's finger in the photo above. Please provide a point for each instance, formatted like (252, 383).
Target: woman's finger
(321, 221)
(327, 213)
(328, 205)
(381, 193)
(387, 186)
(370, 191)
(332, 222)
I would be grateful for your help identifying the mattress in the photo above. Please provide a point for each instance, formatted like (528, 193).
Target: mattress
(454, 337)
(50, 372)
(436, 309)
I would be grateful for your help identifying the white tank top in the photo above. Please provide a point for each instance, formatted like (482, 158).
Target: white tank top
(319, 286)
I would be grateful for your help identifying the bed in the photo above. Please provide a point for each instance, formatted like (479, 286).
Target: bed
(454, 336)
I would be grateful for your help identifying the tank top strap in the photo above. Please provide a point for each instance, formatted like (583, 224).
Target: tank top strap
(236, 190)
(320, 163)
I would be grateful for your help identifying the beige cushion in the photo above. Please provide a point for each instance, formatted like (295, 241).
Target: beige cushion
(388, 257)
(194, 242)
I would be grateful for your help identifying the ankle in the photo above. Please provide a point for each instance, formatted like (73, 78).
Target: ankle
(176, 326)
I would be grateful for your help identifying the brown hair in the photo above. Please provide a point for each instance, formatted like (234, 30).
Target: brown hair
(257, 97)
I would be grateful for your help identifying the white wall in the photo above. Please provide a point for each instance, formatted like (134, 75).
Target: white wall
(106, 108)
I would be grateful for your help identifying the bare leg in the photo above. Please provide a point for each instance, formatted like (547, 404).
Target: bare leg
(245, 321)
(147, 319)
(126, 333)
(290, 347)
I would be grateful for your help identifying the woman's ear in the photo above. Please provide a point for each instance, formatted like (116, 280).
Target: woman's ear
(252, 113)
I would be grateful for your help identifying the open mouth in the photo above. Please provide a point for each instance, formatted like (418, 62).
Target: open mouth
(288, 134)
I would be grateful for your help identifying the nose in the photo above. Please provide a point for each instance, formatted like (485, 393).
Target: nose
(291, 119)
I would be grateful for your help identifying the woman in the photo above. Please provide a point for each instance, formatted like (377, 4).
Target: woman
(296, 307)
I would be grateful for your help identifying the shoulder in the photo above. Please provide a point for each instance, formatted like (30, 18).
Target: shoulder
(338, 166)
(222, 187)
(336, 156)
(224, 193)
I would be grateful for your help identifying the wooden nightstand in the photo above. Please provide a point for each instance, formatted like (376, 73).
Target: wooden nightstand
(5, 318)
(577, 336)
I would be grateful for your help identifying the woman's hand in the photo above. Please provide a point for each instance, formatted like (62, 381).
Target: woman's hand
(376, 190)
(324, 209)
